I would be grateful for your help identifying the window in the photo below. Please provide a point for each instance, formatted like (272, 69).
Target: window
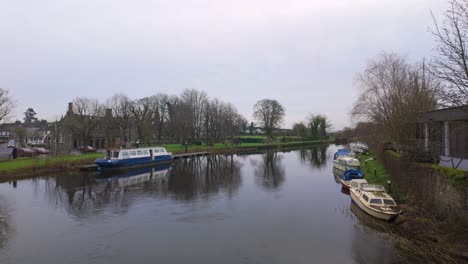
(389, 202)
(139, 152)
(132, 153)
(156, 150)
(145, 151)
(115, 154)
(365, 198)
(375, 201)
(125, 155)
(354, 184)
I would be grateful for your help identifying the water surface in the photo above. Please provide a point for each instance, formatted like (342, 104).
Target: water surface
(277, 207)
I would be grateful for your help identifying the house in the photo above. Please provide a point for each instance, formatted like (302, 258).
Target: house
(75, 131)
(446, 131)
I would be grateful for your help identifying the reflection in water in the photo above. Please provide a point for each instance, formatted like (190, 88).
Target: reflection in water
(159, 215)
(203, 176)
(381, 252)
(337, 175)
(5, 228)
(187, 179)
(316, 155)
(270, 171)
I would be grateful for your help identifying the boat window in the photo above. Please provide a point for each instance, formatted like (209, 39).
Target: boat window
(365, 198)
(139, 152)
(115, 154)
(145, 151)
(375, 201)
(156, 150)
(354, 184)
(132, 153)
(389, 202)
(125, 154)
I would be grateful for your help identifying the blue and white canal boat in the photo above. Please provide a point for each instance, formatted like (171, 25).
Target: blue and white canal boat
(125, 158)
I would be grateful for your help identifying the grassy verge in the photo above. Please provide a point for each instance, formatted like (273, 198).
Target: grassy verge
(23, 167)
(375, 173)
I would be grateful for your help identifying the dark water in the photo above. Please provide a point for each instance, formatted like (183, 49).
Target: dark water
(260, 208)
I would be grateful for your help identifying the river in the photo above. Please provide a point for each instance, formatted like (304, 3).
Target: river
(275, 207)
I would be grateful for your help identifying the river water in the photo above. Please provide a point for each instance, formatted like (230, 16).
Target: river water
(276, 207)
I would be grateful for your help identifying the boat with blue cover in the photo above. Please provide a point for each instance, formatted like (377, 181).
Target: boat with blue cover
(350, 175)
(126, 158)
(342, 152)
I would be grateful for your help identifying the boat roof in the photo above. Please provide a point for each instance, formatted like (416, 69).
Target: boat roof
(135, 149)
(347, 158)
(359, 180)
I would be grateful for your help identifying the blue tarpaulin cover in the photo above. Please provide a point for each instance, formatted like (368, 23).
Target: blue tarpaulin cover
(352, 174)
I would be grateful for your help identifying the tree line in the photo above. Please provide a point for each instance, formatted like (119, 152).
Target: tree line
(189, 117)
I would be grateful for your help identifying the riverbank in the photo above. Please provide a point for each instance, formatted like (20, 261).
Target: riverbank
(30, 167)
(419, 235)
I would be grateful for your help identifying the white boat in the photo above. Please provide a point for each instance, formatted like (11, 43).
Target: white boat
(373, 200)
(354, 183)
(344, 163)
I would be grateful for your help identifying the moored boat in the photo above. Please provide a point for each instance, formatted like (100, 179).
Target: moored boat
(350, 175)
(125, 158)
(373, 200)
(341, 153)
(344, 163)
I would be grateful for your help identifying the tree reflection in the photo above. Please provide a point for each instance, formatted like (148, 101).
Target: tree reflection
(316, 156)
(202, 176)
(5, 228)
(270, 171)
(85, 194)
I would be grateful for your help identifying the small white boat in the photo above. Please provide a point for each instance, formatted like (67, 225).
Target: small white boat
(354, 183)
(373, 200)
(344, 163)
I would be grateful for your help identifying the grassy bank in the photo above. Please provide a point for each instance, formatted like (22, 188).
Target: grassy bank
(26, 167)
(419, 235)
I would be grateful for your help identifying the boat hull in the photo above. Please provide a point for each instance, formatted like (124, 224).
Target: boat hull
(374, 213)
(107, 164)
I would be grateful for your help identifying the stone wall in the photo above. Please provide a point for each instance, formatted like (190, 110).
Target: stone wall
(426, 185)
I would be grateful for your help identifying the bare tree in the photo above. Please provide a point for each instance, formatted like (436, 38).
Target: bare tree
(196, 100)
(269, 114)
(142, 111)
(7, 104)
(85, 117)
(120, 105)
(394, 95)
(451, 60)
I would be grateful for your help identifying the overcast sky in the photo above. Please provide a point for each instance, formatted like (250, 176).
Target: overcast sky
(303, 53)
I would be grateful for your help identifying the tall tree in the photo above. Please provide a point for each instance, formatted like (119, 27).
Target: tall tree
(7, 104)
(120, 105)
(394, 95)
(30, 116)
(84, 118)
(269, 114)
(451, 60)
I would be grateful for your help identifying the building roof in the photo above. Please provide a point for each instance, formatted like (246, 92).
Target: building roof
(446, 114)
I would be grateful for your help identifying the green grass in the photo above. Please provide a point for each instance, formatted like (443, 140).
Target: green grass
(12, 166)
(374, 171)
(22, 163)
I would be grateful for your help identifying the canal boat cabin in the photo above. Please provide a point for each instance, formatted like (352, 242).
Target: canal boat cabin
(344, 163)
(123, 158)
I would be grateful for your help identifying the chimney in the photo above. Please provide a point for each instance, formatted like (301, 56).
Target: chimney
(70, 108)
(108, 112)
